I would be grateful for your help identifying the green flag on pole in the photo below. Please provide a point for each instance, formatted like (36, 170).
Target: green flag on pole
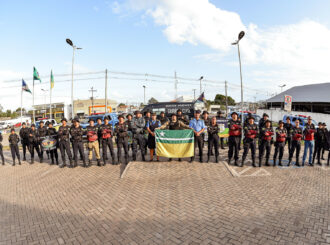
(51, 80)
(36, 74)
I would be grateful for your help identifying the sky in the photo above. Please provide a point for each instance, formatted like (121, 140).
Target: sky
(286, 42)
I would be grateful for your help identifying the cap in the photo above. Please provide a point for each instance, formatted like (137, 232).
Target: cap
(288, 118)
(250, 117)
(173, 115)
(77, 120)
(23, 123)
(219, 112)
(268, 121)
(91, 119)
(205, 112)
(129, 114)
(33, 125)
(106, 118)
(280, 122)
(99, 119)
(234, 113)
(320, 123)
(137, 112)
(12, 130)
(41, 122)
(198, 111)
(265, 115)
(121, 116)
(50, 123)
(162, 112)
(64, 119)
(178, 110)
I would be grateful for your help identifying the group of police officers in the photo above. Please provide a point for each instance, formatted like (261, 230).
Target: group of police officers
(130, 133)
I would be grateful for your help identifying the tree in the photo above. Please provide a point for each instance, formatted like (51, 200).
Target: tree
(152, 101)
(19, 110)
(1, 108)
(221, 100)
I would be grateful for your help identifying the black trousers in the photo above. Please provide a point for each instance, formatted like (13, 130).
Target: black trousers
(1, 154)
(213, 142)
(54, 154)
(289, 142)
(122, 143)
(107, 143)
(199, 144)
(265, 145)
(222, 142)
(41, 149)
(317, 151)
(233, 143)
(34, 146)
(138, 139)
(295, 147)
(25, 145)
(279, 150)
(249, 144)
(14, 151)
(65, 147)
(78, 146)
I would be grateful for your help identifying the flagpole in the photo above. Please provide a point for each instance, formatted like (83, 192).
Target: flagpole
(21, 105)
(50, 98)
(34, 113)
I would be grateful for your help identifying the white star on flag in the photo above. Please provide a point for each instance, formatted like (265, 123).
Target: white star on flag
(162, 134)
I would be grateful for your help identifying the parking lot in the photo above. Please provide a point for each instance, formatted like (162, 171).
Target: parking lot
(164, 203)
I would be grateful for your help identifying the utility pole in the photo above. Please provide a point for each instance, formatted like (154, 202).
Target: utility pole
(175, 86)
(92, 90)
(200, 84)
(226, 97)
(106, 91)
(194, 93)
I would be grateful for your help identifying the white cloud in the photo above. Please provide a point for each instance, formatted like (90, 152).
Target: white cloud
(295, 52)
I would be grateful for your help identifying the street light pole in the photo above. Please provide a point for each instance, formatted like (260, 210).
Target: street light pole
(240, 36)
(73, 51)
(200, 84)
(194, 93)
(144, 94)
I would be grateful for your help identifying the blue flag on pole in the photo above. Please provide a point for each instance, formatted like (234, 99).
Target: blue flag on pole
(25, 87)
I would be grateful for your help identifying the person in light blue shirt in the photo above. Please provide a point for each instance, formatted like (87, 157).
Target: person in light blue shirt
(198, 125)
(151, 125)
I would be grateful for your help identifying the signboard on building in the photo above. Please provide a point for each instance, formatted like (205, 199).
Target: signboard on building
(287, 103)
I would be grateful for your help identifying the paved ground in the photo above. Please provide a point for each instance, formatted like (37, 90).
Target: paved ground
(164, 203)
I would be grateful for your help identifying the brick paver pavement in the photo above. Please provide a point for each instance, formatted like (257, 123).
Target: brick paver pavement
(163, 203)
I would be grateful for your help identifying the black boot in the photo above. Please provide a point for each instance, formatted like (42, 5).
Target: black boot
(75, 164)
(98, 162)
(274, 162)
(134, 157)
(57, 161)
(253, 162)
(242, 163)
(235, 163)
(41, 159)
(267, 162)
(170, 159)
(89, 164)
(289, 162)
(191, 159)
(84, 163)
(104, 162)
(24, 158)
(19, 161)
(259, 162)
(216, 159)
(229, 160)
(119, 161)
(114, 162)
(208, 158)
(13, 163)
(143, 158)
(32, 160)
(201, 159)
(62, 165)
(52, 162)
(180, 159)
(280, 162)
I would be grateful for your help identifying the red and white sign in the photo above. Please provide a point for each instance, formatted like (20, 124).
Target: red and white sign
(287, 103)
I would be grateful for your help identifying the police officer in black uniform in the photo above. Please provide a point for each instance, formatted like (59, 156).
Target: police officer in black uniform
(234, 137)
(297, 135)
(281, 136)
(261, 125)
(52, 134)
(326, 145)
(77, 133)
(182, 117)
(213, 139)
(34, 142)
(162, 118)
(64, 143)
(249, 141)
(130, 133)
(139, 127)
(320, 139)
(42, 131)
(13, 143)
(99, 134)
(106, 133)
(1, 151)
(24, 135)
(121, 131)
(207, 122)
(288, 126)
(266, 133)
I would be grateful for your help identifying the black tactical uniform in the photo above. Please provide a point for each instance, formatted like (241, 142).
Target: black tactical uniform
(163, 119)
(265, 144)
(261, 125)
(105, 132)
(1, 151)
(183, 119)
(99, 135)
(297, 135)
(51, 133)
(24, 135)
(234, 139)
(213, 141)
(130, 132)
(13, 143)
(34, 143)
(64, 143)
(281, 135)
(42, 132)
(78, 145)
(138, 137)
(320, 141)
(205, 135)
(122, 140)
(288, 140)
(249, 142)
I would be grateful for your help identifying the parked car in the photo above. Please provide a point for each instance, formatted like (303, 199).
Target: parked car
(47, 121)
(302, 118)
(113, 119)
